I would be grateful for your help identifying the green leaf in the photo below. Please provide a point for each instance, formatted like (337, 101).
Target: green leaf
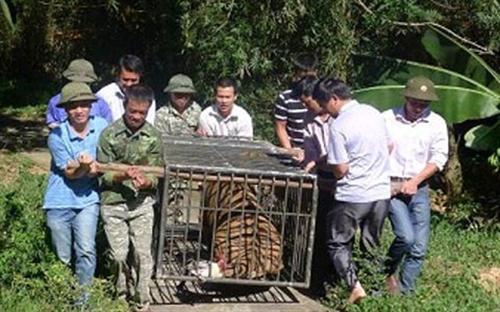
(484, 138)
(7, 15)
(456, 104)
(389, 71)
(453, 55)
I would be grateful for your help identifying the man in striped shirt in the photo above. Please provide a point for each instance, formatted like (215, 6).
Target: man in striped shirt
(289, 110)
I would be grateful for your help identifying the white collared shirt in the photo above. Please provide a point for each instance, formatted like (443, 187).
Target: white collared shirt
(114, 96)
(237, 124)
(358, 138)
(416, 144)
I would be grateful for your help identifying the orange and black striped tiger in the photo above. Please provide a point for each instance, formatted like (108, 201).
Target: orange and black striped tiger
(246, 243)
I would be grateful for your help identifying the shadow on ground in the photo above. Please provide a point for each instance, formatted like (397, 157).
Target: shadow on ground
(19, 135)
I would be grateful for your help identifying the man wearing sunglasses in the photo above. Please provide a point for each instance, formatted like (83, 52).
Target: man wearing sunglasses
(419, 140)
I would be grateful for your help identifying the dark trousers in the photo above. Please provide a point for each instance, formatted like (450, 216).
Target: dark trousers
(343, 219)
(321, 267)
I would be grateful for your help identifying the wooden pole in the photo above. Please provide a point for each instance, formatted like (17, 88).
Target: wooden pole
(160, 172)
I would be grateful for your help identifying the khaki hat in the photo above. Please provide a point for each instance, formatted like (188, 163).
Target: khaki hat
(180, 84)
(75, 91)
(421, 88)
(80, 70)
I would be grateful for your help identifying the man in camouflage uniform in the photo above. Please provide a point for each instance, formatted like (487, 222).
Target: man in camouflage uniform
(180, 116)
(127, 197)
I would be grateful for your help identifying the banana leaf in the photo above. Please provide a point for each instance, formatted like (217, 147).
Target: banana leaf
(378, 70)
(453, 55)
(484, 138)
(456, 104)
(7, 15)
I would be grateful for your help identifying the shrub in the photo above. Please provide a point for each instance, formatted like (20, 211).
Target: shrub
(31, 277)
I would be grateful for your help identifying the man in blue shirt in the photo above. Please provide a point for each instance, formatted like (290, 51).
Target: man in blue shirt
(79, 70)
(71, 200)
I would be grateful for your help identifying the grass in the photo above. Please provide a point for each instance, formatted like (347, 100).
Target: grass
(31, 112)
(457, 274)
(31, 278)
(450, 280)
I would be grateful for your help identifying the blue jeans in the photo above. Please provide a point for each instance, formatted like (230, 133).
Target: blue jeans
(410, 219)
(75, 227)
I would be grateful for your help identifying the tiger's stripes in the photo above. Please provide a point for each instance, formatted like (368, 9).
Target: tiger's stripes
(247, 240)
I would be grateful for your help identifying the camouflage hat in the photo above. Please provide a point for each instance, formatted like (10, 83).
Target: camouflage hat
(180, 84)
(420, 88)
(80, 70)
(75, 91)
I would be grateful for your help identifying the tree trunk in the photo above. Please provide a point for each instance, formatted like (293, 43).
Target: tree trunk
(453, 170)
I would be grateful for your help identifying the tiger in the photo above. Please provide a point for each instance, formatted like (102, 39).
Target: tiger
(246, 244)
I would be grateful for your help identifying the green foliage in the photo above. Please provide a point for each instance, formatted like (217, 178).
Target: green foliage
(456, 104)
(7, 16)
(255, 39)
(463, 83)
(450, 277)
(32, 279)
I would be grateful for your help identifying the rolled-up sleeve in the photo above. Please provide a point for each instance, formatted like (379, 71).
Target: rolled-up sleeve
(439, 146)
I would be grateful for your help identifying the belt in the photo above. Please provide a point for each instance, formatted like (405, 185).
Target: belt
(400, 179)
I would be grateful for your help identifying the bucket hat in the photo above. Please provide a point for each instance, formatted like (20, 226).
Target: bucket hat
(80, 70)
(180, 84)
(75, 91)
(420, 88)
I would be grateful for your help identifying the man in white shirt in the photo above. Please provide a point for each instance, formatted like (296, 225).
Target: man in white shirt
(130, 72)
(225, 118)
(419, 140)
(359, 156)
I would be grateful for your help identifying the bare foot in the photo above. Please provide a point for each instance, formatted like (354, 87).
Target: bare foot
(357, 294)
(392, 284)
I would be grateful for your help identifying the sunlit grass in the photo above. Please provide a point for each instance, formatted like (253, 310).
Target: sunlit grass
(450, 280)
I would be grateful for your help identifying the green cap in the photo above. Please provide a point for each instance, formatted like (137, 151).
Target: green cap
(180, 84)
(75, 91)
(80, 70)
(421, 88)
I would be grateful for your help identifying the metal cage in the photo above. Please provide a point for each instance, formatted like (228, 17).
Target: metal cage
(233, 212)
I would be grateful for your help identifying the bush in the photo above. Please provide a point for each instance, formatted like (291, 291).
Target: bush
(32, 278)
(478, 206)
(451, 277)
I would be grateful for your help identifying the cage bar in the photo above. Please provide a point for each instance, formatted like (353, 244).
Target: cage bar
(246, 217)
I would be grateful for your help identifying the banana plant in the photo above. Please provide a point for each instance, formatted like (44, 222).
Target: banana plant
(482, 137)
(7, 16)
(467, 87)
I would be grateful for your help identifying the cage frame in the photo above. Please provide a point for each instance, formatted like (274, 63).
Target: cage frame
(298, 180)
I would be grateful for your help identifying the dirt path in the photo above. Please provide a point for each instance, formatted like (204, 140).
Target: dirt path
(27, 137)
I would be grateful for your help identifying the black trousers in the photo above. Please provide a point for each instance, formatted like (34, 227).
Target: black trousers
(321, 267)
(343, 219)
